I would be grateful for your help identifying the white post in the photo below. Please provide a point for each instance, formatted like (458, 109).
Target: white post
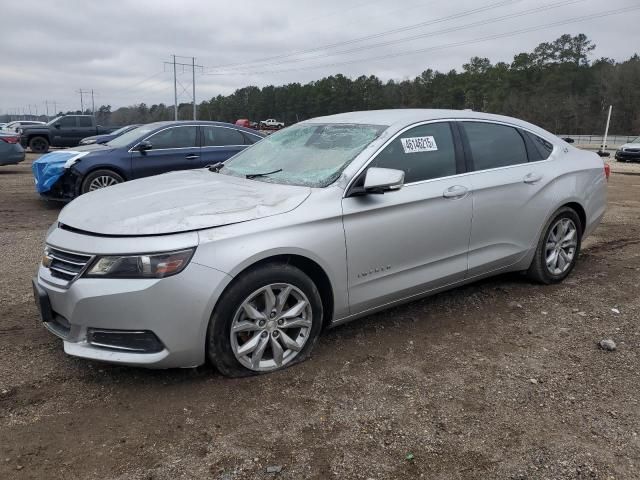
(606, 131)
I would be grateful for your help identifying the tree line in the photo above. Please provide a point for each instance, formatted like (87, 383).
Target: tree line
(555, 86)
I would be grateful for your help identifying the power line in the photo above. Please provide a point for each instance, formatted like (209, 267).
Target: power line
(606, 13)
(430, 34)
(465, 13)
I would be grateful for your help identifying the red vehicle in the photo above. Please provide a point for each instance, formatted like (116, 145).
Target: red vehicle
(244, 122)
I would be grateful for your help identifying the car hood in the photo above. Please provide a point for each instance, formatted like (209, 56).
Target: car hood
(630, 145)
(179, 202)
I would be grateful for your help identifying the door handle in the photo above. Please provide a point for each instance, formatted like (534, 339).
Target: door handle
(192, 157)
(457, 191)
(532, 178)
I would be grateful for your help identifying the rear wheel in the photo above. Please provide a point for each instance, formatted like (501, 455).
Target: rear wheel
(39, 145)
(100, 179)
(558, 248)
(268, 319)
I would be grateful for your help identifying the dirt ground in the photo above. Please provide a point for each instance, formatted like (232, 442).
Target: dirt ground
(500, 379)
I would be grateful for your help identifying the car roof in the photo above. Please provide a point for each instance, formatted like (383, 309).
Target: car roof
(402, 117)
(157, 125)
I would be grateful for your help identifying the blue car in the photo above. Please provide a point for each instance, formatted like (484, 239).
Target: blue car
(107, 137)
(144, 151)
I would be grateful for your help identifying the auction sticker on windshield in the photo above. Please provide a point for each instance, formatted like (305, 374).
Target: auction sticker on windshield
(419, 144)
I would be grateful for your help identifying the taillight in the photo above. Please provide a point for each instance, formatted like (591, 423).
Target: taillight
(15, 139)
(607, 170)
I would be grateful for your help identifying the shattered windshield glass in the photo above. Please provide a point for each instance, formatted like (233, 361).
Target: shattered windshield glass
(311, 155)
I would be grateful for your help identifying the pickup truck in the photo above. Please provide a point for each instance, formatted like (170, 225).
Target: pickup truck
(272, 124)
(64, 131)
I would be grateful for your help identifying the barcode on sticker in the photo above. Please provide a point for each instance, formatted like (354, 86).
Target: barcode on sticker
(419, 144)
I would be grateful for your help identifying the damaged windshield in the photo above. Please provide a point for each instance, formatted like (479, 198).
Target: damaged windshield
(311, 155)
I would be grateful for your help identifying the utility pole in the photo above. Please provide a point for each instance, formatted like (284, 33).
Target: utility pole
(193, 71)
(93, 105)
(606, 131)
(175, 91)
(82, 92)
(81, 102)
(46, 106)
(175, 82)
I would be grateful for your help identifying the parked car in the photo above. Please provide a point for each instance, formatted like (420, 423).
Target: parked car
(271, 123)
(629, 152)
(326, 221)
(11, 152)
(109, 136)
(15, 125)
(64, 131)
(144, 151)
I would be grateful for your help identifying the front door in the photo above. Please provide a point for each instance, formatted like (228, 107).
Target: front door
(173, 148)
(416, 239)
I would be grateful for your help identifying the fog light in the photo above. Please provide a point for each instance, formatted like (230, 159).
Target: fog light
(134, 341)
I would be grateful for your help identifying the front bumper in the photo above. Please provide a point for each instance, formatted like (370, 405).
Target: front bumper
(627, 156)
(176, 310)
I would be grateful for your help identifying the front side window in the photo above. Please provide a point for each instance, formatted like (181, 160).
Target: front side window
(423, 152)
(174, 137)
(220, 137)
(494, 146)
(308, 154)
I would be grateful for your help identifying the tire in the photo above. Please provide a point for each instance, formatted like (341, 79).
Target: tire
(39, 145)
(225, 350)
(540, 271)
(104, 177)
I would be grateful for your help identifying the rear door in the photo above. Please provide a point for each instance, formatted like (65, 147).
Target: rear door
(509, 205)
(221, 143)
(173, 148)
(415, 239)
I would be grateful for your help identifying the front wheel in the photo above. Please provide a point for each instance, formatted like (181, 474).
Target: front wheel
(268, 319)
(100, 179)
(558, 248)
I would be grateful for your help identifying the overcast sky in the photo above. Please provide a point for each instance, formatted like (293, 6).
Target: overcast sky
(50, 49)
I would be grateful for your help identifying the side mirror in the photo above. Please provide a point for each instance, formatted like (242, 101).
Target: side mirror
(57, 125)
(144, 146)
(380, 180)
(568, 140)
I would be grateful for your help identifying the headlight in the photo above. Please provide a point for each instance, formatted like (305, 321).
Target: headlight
(87, 142)
(156, 265)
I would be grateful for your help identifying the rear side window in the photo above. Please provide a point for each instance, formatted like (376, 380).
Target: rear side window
(494, 145)
(423, 152)
(539, 148)
(67, 122)
(176, 137)
(250, 139)
(84, 122)
(220, 137)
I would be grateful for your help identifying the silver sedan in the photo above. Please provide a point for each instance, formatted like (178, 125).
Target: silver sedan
(244, 264)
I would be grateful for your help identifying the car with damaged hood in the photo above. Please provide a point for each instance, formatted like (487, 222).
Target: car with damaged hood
(144, 151)
(244, 263)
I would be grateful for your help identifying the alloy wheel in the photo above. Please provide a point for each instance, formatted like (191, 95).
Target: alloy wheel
(102, 182)
(561, 245)
(271, 327)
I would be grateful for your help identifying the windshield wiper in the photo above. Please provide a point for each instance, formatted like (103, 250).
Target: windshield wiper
(255, 175)
(215, 168)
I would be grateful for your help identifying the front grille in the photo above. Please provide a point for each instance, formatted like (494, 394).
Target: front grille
(631, 150)
(132, 341)
(66, 265)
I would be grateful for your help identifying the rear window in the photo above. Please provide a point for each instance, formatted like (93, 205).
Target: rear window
(539, 148)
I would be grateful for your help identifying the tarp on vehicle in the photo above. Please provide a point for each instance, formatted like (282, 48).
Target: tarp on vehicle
(48, 169)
